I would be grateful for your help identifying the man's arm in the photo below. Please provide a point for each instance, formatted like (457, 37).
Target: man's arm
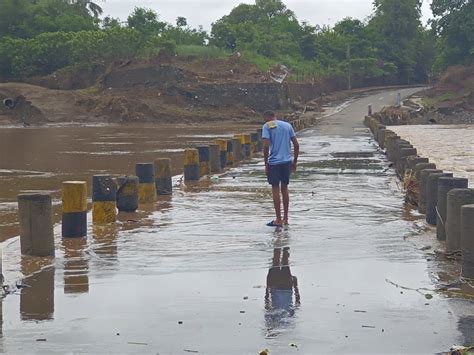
(266, 153)
(296, 153)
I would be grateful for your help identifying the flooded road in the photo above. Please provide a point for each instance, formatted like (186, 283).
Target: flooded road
(201, 273)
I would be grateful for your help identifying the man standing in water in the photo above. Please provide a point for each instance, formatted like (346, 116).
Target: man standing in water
(277, 138)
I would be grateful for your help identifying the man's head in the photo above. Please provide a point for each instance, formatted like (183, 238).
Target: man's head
(269, 116)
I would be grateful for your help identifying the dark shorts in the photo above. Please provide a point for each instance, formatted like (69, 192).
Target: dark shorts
(279, 174)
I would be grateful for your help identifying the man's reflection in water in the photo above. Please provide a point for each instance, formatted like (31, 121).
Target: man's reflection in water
(281, 285)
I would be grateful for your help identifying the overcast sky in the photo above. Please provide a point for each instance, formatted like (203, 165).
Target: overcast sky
(204, 12)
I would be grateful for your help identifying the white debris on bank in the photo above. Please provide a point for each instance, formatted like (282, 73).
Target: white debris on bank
(450, 147)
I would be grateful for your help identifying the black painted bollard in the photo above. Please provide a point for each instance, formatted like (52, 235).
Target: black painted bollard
(446, 184)
(127, 193)
(215, 158)
(222, 143)
(163, 178)
(191, 165)
(146, 182)
(74, 203)
(36, 224)
(432, 196)
(204, 160)
(424, 174)
(456, 199)
(467, 241)
(104, 199)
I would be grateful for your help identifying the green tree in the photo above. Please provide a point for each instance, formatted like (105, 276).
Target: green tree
(145, 21)
(454, 24)
(394, 28)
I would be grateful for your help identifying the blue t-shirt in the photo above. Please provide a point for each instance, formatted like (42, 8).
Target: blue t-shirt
(279, 133)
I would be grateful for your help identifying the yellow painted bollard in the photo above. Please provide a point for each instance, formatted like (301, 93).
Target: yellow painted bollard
(191, 165)
(204, 160)
(146, 182)
(74, 202)
(163, 178)
(241, 138)
(104, 199)
(230, 152)
(222, 143)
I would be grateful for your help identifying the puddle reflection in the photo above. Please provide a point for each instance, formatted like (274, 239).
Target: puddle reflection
(76, 266)
(37, 295)
(281, 289)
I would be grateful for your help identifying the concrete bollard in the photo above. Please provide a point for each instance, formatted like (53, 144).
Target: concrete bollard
(74, 203)
(260, 140)
(381, 137)
(222, 143)
(398, 150)
(104, 199)
(467, 241)
(204, 160)
(432, 196)
(412, 161)
(127, 193)
(163, 176)
(403, 159)
(215, 158)
(230, 152)
(422, 166)
(237, 149)
(146, 182)
(242, 145)
(445, 185)
(392, 147)
(456, 199)
(36, 224)
(369, 109)
(247, 146)
(424, 174)
(254, 142)
(191, 165)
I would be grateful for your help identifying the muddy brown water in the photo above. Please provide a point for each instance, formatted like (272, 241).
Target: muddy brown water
(41, 158)
(190, 274)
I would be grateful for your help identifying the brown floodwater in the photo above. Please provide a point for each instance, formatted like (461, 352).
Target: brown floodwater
(41, 158)
(199, 272)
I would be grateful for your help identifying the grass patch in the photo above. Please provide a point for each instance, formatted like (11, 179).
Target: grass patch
(206, 52)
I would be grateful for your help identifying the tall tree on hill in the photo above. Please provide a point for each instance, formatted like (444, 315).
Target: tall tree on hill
(454, 24)
(395, 26)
